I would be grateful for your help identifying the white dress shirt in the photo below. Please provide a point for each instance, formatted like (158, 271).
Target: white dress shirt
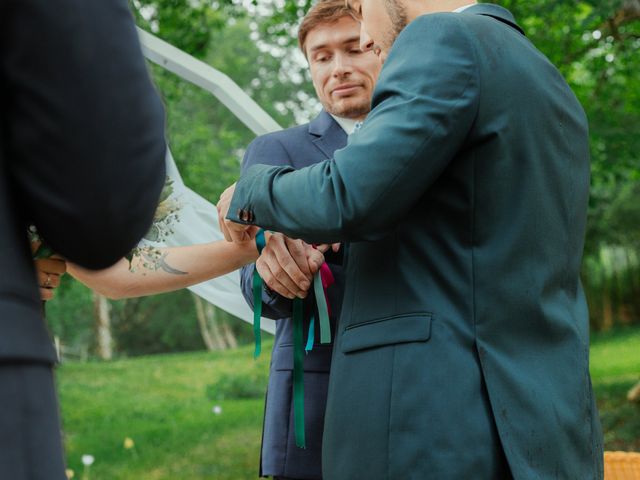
(347, 124)
(458, 10)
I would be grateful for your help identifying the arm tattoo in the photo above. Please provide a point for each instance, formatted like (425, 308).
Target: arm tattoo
(157, 261)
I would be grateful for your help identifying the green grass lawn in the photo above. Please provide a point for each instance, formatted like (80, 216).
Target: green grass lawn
(164, 403)
(615, 368)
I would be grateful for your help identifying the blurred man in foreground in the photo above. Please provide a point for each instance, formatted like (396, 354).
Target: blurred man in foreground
(82, 159)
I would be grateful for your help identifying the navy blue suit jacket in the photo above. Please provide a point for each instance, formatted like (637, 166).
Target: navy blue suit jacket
(297, 147)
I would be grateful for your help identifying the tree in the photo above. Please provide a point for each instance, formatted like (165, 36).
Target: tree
(594, 43)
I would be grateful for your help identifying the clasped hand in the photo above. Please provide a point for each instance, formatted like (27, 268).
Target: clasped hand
(287, 266)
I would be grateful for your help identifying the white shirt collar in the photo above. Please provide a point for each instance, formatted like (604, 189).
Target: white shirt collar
(347, 124)
(461, 9)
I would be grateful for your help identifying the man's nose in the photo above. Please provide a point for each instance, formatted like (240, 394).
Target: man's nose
(366, 42)
(341, 65)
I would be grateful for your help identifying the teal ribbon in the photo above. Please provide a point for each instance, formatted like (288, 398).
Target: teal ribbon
(311, 337)
(298, 372)
(323, 311)
(257, 297)
(298, 337)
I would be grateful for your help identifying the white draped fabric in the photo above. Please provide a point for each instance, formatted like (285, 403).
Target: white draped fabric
(199, 224)
(198, 218)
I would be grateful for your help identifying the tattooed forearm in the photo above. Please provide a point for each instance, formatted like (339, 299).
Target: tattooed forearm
(158, 261)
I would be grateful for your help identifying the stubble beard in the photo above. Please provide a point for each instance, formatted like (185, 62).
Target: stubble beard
(353, 111)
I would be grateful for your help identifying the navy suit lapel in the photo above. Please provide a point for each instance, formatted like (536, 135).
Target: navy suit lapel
(499, 13)
(326, 134)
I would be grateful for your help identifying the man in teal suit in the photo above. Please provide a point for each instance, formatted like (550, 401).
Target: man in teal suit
(463, 347)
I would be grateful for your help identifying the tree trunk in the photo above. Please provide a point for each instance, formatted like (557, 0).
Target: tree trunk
(230, 337)
(103, 326)
(209, 329)
(634, 393)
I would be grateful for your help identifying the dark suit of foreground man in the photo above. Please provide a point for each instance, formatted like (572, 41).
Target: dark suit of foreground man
(463, 347)
(82, 158)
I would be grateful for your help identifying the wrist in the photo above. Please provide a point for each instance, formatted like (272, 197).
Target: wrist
(250, 252)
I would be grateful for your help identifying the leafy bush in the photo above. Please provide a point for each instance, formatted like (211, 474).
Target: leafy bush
(238, 385)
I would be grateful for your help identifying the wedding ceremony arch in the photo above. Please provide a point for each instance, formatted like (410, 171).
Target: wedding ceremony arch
(198, 217)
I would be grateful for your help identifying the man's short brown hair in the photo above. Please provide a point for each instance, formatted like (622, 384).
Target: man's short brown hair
(322, 13)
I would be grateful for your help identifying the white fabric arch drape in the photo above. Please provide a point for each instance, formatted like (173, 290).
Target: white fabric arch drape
(198, 218)
(199, 224)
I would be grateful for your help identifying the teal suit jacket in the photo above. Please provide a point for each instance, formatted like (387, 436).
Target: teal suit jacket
(463, 345)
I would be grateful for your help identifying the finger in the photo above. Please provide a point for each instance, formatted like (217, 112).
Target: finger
(315, 260)
(46, 294)
(286, 262)
(227, 230)
(282, 276)
(290, 254)
(298, 251)
(48, 280)
(323, 248)
(335, 247)
(252, 232)
(222, 223)
(271, 281)
(50, 265)
(242, 233)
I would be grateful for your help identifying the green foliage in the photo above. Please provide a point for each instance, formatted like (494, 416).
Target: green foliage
(237, 386)
(207, 142)
(594, 43)
(206, 139)
(615, 368)
(70, 314)
(596, 46)
(187, 24)
(161, 403)
(614, 355)
(160, 323)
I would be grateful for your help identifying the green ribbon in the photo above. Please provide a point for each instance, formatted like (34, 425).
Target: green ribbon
(298, 372)
(257, 297)
(298, 337)
(323, 311)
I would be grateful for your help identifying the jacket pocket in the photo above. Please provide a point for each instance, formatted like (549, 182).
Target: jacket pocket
(412, 327)
(317, 360)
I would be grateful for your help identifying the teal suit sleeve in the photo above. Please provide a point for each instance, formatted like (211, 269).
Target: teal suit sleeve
(423, 107)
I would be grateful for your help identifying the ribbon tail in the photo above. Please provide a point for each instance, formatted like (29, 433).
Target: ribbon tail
(257, 312)
(257, 297)
(323, 313)
(311, 337)
(298, 373)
